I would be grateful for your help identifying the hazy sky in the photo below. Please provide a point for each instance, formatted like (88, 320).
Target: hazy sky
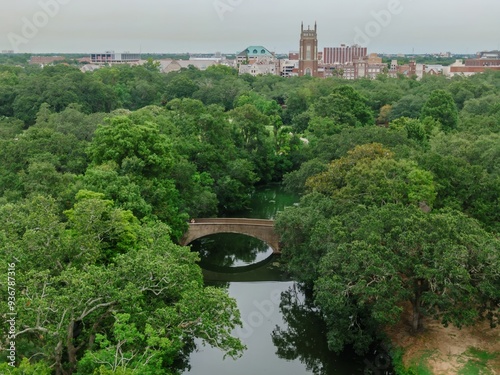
(384, 26)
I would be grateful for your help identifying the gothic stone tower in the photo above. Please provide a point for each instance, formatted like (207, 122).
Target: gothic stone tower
(308, 58)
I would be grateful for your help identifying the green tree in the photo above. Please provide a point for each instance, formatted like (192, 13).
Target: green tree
(385, 113)
(345, 106)
(408, 106)
(443, 264)
(219, 89)
(334, 178)
(253, 137)
(266, 107)
(96, 284)
(441, 107)
(60, 86)
(297, 102)
(145, 157)
(131, 145)
(10, 127)
(207, 161)
(60, 155)
(464, 187)
(295, 181)
(413, 127)
(303, 245)
(180, 86)
(367, 264)
(9, 79)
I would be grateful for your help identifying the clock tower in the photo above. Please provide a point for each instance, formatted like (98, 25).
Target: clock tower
(308, 56)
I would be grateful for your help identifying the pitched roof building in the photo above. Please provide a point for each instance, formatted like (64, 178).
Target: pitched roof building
(253, 53)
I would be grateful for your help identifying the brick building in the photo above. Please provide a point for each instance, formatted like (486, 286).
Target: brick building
(308, 55)
(343, 54)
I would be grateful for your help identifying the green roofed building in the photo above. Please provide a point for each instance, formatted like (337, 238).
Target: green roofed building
(253, 53)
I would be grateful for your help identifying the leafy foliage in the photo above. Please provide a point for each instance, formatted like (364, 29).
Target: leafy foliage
(100, 171)
(441, 107)
(100, 283)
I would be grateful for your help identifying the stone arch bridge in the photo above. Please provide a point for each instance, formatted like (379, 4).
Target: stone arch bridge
(258, 228)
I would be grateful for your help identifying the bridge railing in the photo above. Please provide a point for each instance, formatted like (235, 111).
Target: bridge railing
(233, 221)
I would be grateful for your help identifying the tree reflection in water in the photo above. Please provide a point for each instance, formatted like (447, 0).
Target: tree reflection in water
(230, 249)
(304, 337)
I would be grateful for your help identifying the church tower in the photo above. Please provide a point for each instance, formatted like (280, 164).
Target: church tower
(308, 58)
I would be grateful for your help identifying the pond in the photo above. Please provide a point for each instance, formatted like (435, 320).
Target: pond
(282, 330)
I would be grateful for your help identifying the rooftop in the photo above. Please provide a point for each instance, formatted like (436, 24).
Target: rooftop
(255, 51)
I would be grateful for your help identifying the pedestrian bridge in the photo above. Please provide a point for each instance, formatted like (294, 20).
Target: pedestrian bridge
(260, 229)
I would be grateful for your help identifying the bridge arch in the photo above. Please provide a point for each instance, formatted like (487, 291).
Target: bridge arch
(257, 228)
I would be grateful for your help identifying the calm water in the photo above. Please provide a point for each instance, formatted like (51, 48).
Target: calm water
(281, 329)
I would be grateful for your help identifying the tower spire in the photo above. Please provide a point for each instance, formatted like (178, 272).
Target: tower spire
(308, 55)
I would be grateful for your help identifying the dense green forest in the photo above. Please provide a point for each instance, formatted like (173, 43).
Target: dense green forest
(100, 173)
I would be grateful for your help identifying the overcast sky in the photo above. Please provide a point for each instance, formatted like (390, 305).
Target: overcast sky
(229, 26)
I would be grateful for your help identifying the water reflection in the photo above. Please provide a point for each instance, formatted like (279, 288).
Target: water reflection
(231, 250)
(304, 338)
(260, 313)
(284, 335)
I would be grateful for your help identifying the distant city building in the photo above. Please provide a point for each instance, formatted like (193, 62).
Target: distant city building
(8, 51)
(169, 65)
(257, 60)
(90, 68)
(289, 68)
(485, 58)
(293, 56)
(488, 55)
(258, 68)
(110, 57)
(45, 60)
(308, 55)
(412, 69)
(251, 54)
(463, 69)
(457, 68)
(84, 60)
(434, 70)
(320, 56)
(366, 67)
(343, 54)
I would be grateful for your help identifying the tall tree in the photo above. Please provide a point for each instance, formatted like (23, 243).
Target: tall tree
(441, 107)
(96, 289)
(442, 264)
